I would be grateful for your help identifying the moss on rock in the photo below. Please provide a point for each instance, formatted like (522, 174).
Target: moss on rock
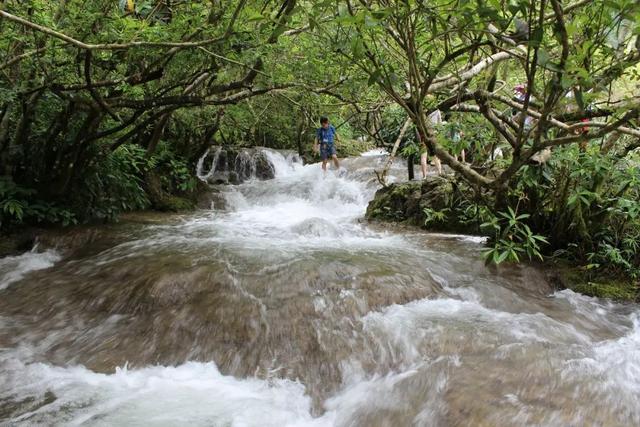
(620, 291)
(174, 204)
(396, 203)
(601, 286)
(353, 147)
(166, 202)
(433, 203)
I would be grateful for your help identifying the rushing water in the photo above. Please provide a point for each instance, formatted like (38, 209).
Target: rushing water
(287, 310)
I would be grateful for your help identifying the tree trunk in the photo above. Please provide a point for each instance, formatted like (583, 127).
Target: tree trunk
(158, 131)
(23, 128)
(61, 127)
(4, 141)
(410, 162)
(383, 176)
(80, 142)
(299, 132)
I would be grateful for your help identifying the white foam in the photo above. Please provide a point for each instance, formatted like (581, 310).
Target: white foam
(301, 208)
(375, 152)
(612, 372)
(620, 358)
(283, 164)
(408, 328)
(462, 237)
(212, 168)
(13, 269)
(194, 394)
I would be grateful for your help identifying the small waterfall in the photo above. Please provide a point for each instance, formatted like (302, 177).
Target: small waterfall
(200, 171)
(283, 162)
(245, 165)
(14, 268)
(231, 165)
(285, 309)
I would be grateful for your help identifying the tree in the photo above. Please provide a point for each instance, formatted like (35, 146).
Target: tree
(446, 55)
(80, 80)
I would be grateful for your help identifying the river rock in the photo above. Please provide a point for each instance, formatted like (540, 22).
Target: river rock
(416, 201)
(263, 168)
(212, 199)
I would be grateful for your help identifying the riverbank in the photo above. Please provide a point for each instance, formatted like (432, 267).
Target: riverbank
(174, 188)
(441, 204)
(77, 237)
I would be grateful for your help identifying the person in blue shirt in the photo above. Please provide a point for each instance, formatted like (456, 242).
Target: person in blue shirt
(325, 143)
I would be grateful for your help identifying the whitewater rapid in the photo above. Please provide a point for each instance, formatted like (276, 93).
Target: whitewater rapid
(287, 309)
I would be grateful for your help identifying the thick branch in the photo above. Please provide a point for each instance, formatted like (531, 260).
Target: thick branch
(454, 79)
(19, 58)
(103, 46)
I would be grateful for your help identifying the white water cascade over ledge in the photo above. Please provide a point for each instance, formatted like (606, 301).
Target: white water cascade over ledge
(236, 165)
(286, 309)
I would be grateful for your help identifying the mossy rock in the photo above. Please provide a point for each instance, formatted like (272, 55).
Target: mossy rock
(600, 286)
(174, 204)
(615, 290)
(20, 241)
(264, 169)
(344, 148)
(353, 147)
(396, 203)
(408, 203)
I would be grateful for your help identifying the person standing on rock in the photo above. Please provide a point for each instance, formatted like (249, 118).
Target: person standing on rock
(324, 143)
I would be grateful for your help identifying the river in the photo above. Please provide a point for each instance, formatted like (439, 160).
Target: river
(286, 309)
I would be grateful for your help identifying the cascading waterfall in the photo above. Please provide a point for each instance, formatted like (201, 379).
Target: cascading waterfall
(286, 310)
(237, 165)
(200, 170)
(245, 165)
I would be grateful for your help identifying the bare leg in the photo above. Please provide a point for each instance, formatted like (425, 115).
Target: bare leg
(462, 156)
(423, 164)
(324, 166)
(436, 161)
(335, 161)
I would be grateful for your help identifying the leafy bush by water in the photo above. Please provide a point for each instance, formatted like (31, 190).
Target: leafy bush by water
(113, 184)
(19, 205)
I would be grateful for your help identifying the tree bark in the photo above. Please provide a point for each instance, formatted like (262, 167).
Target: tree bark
(383, 175)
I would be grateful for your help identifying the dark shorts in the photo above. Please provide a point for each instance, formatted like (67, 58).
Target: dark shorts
(327, 150)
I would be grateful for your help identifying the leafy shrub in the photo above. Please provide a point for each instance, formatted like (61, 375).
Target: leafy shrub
(115, 184)
(584, 203)
(433, 216)
(175, 171)
(513, 238)
(18, 206)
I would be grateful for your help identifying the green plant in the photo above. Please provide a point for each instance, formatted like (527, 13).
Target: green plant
(175, 172)
(512, 238)
(115, 184)
(19, 205)
(433, 216)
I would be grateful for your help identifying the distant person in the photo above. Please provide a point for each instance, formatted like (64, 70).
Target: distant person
(424, 157)
(455, 136)
(436, 120)
(324, 143)
(520, 95)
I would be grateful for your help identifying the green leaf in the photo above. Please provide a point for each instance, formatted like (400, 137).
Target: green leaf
(543, 57)
(502, 257)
